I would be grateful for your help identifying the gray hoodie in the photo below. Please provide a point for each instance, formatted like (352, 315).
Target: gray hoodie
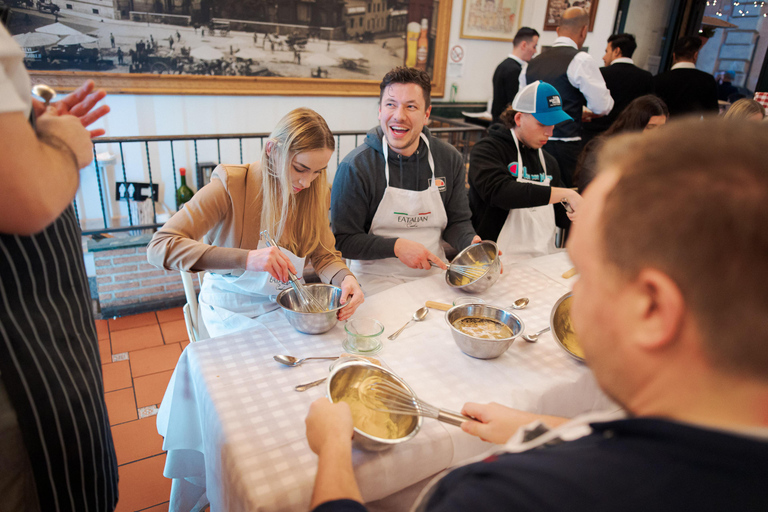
(360, 183)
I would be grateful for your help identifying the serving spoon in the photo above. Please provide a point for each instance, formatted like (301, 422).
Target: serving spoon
(533, 338)
(418, 316)
(292, 361)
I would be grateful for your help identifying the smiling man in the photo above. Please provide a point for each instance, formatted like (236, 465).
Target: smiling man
(513, 183)
(401, 192)
(689, 368)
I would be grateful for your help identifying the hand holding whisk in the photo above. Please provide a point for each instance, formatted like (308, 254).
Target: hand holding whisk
(307, 302)
(385, 396)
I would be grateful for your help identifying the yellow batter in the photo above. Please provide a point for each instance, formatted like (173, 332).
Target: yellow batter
(372, 422)
(483, 328)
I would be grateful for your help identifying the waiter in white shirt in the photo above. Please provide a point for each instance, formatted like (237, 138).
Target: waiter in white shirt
(576, 76)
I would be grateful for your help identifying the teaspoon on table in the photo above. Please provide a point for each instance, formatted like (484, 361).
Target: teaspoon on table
(520, 303)
(418, 316)
(304, 387)
(292, 361)
(533, 338)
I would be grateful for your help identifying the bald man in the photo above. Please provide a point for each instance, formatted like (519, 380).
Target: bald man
(576, 76)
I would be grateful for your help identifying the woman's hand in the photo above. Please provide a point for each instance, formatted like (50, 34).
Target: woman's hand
(271, 260)
(351, 296)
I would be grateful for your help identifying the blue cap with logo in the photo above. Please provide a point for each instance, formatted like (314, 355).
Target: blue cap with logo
(543, 102)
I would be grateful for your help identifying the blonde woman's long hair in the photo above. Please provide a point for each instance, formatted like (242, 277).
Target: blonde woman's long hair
(296, 221)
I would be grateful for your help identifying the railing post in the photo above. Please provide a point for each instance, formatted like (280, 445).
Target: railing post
(101, 192)
(173, 164)
(151, 194)
(125, 180)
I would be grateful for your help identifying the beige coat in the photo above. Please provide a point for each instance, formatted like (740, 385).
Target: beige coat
(226, 216)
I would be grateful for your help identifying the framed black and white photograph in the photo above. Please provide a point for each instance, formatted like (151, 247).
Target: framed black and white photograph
(291, 47)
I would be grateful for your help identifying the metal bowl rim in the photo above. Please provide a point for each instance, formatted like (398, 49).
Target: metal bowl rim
(290, 288)
(419, 419)
(554, 332)
(513, 315)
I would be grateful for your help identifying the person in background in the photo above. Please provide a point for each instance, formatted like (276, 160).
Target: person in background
(685, 89)
(401, 192)
(513, 184)
(577, 78)
(56, 450)
(645, 113)
(689, 369)
(509, 77)
(725, 87)
(623, 78)
(287, 194)
(746, 108)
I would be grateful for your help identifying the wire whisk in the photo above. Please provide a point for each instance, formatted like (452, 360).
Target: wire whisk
(307, 302)
(473, 272)
(385, 396)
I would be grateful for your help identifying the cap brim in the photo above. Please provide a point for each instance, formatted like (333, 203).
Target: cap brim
(552, 118)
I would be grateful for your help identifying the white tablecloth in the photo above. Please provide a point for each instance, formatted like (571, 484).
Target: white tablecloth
(234, 426)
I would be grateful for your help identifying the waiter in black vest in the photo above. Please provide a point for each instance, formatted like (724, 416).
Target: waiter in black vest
(509, 77)
(576, 76)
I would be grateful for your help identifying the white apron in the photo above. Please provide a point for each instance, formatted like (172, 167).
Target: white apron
(232, 303)
(417, 216)
(528, 232)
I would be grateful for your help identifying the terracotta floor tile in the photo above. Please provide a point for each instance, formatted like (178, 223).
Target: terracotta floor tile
(137, 440)
(105, 351)
(154, 360)
(129, 322)
(102, 329)
(142, 484)
(169, 315)
(117, 376)
(184, 344)
(174, 331)
(159, 508)
(136, 338)
(151, 388)
(121, 406)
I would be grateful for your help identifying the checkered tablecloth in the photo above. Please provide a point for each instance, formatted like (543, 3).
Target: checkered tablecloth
(234, 426)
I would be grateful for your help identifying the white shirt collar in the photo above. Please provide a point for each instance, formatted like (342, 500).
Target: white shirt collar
(684, 65)
(622, 60)
(518, 59)
(565, 41)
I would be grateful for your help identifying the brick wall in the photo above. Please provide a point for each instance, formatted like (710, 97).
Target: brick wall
(124, 277)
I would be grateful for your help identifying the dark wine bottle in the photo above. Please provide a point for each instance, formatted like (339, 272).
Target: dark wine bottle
(183, 193)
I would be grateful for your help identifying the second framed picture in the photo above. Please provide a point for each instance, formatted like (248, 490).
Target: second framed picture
(555, 9)
(494, 21)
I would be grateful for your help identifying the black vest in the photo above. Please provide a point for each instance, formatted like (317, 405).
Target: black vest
(552, 67)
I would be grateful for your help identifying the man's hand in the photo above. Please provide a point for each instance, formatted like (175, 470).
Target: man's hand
(495, 422)
(476, 240)
(271, 260)
(79, 103)
(328, 424)
(415, 255)
(570, 195)
(66, 134)
(351, 296)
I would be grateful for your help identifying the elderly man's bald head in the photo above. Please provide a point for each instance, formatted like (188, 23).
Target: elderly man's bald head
(574, 23)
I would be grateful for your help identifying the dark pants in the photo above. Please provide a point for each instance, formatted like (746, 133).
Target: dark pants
(566, 154)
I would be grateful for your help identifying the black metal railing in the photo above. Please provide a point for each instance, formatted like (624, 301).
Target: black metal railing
(460, 135)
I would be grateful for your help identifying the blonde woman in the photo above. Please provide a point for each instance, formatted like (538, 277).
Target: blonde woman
(286, 193)
(746, 108)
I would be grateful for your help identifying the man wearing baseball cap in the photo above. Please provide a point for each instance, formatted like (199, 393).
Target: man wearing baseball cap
(516, 187)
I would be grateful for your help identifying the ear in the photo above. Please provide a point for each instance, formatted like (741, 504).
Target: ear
(584, 31)
(269, 145)
(518, 118)
(658, 310)
(427, 112)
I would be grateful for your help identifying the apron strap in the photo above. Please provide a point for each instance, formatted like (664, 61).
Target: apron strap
(431, 160)
(520, 156)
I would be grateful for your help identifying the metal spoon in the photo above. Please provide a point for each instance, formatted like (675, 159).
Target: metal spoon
(418, 316)
(533, 338)
(304, 387)
(520, 303)
(292, 361)
(44, 92)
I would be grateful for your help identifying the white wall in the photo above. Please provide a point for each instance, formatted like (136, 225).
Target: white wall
(145, 115)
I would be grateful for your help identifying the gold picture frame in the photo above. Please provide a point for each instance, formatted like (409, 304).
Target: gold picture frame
(148, 83)
(500, 23)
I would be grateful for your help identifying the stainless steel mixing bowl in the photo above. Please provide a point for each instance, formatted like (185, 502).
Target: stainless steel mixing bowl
(479, 347)
(311, 323)
(347, 377)
(484, 252)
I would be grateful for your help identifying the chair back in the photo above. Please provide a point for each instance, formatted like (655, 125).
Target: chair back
(195, 327)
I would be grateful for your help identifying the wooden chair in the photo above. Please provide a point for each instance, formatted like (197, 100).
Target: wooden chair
(195, 327)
